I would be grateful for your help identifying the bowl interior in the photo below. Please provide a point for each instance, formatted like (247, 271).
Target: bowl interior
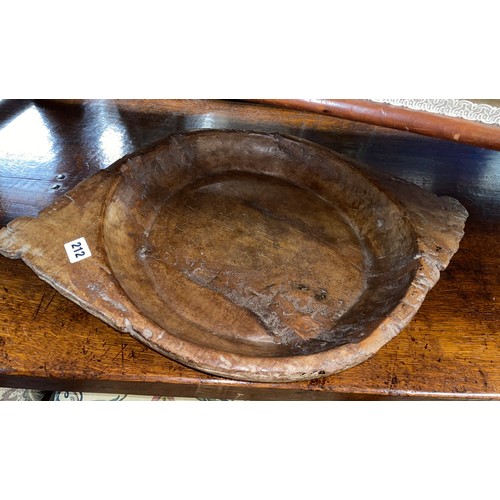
(256, 244)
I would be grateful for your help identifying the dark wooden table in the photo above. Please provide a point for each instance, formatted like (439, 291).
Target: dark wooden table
(451, 349)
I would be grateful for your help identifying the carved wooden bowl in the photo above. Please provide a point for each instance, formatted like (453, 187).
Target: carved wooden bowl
(252, 256)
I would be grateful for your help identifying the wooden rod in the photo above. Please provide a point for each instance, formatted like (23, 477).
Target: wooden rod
(386, 115)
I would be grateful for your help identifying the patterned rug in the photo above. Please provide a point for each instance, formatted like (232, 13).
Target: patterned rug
(8, 394)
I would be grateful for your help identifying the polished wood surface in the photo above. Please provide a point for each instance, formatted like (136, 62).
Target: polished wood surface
(451, 349)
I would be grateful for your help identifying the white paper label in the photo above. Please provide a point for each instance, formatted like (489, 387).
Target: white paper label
(77, 250)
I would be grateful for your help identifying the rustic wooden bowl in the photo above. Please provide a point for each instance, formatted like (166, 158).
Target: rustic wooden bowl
(252, 256)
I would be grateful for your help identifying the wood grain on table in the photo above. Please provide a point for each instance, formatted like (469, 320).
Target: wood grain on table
(451, 349)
